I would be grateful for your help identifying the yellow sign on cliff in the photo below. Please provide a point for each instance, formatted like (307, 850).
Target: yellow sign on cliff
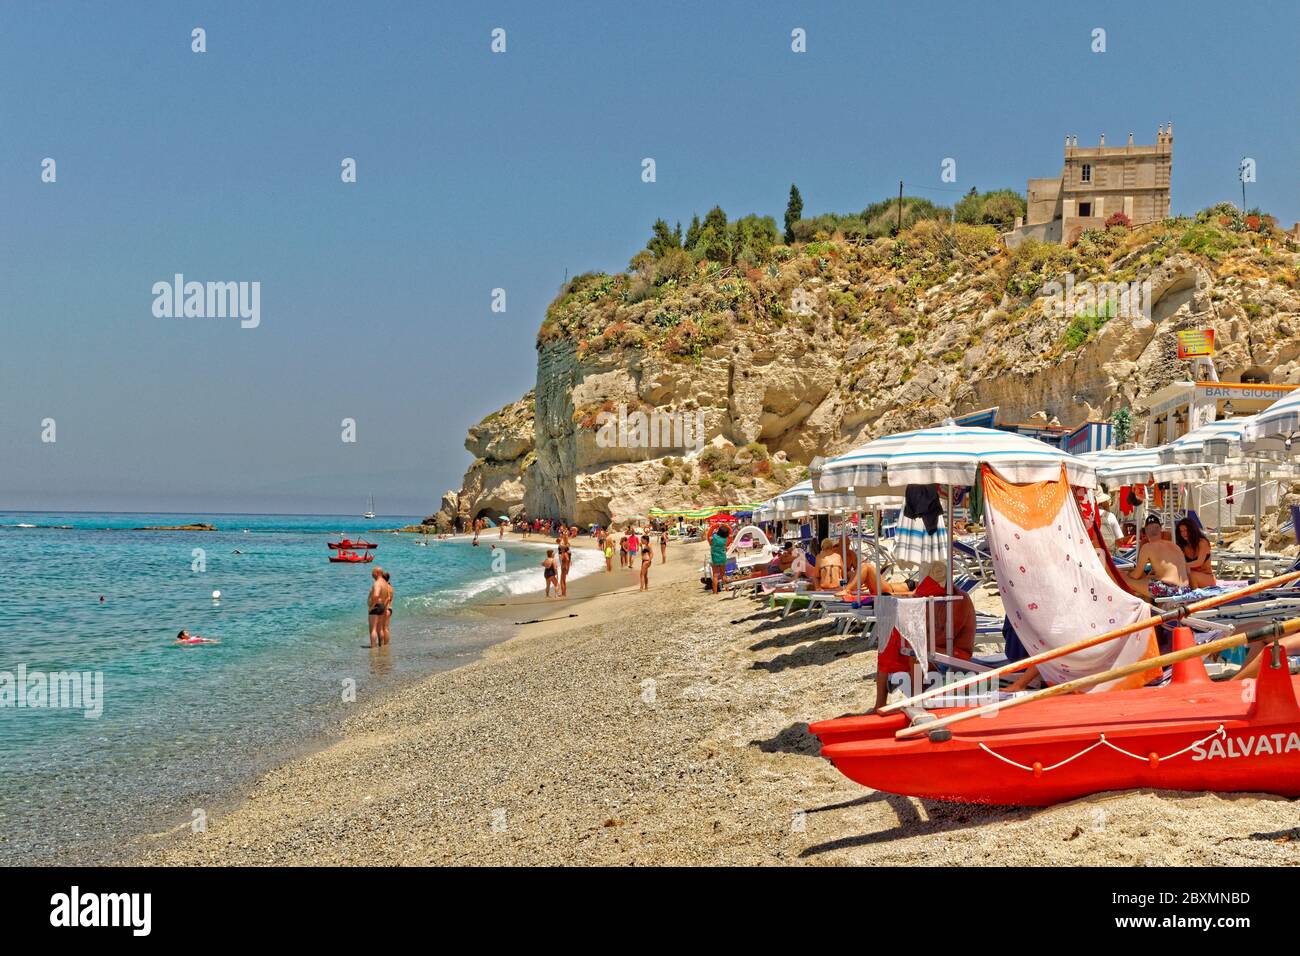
(1196, 344)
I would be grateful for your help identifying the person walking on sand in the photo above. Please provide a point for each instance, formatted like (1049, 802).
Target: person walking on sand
(377, 605)
(647, 559)
(548, 571)
(718, 554)
(622, 550)
(566, 558)
(663, 546)
(632, 547)
(609, 553)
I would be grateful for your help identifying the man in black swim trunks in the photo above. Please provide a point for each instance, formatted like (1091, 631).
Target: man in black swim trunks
(377, 601)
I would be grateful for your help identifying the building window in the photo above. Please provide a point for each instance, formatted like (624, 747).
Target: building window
(1085, 174)
(1085, 209)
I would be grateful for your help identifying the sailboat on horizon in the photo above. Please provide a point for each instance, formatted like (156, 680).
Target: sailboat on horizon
(370, 509)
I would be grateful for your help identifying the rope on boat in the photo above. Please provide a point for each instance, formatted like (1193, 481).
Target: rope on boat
(1152, 759)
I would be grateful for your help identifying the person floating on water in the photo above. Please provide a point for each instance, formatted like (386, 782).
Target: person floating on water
(185, 639)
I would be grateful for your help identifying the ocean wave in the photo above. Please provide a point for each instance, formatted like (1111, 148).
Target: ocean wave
(505, 585)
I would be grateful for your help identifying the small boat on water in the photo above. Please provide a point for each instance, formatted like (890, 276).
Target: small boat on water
(370, 508)
(348, 551)
(349, 544)
(1193, 734)
(352, 557)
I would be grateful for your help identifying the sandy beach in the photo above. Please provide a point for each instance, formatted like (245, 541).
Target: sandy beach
(667, 727)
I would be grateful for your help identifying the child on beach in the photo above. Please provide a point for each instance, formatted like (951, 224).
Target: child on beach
(609, 554)
(548, 570)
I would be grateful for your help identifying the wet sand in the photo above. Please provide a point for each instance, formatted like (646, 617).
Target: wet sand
(668, 727)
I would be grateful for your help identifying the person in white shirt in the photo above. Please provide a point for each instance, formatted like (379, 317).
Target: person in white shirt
(1107, 522)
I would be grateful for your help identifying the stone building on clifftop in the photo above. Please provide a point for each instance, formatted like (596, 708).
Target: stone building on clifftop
(1095, 183)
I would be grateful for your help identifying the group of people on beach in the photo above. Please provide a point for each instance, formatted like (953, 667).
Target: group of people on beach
(555, 569)
(631, 543)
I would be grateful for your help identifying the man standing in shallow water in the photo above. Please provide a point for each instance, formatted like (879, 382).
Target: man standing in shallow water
(377, 601)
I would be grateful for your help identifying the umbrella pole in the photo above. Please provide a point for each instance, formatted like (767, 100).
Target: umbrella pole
(952, 520)
(844, 548)
(858, 526)
(1259, 489)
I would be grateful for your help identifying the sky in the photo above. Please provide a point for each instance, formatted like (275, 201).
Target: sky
(478, 171)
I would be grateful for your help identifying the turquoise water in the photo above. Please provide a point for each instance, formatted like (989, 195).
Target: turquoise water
(183, 725)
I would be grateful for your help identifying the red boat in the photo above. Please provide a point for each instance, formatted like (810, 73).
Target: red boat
(352, 557)
(348, 551)
(1193, 734)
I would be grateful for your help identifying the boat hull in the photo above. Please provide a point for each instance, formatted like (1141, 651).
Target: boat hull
(1235, 736)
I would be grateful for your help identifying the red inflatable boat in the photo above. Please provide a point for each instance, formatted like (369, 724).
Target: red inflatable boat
(1193, 734)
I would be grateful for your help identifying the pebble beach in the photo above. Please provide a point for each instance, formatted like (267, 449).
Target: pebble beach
(666, 727)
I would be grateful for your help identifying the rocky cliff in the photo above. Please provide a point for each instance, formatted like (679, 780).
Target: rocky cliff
(833, 342)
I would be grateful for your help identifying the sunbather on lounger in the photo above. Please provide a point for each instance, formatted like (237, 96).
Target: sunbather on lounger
(830, 567)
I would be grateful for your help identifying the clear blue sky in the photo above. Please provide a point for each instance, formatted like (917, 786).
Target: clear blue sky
(479, 171)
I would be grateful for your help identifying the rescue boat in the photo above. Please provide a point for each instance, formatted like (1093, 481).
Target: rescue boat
(1193, 734)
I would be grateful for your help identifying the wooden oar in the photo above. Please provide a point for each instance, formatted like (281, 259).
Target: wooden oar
(1176, 613)
(1268, 632)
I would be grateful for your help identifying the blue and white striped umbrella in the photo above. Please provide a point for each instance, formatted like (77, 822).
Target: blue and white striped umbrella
(1214, 441)
(1140, 466)
(804, 499)
(947, 454)
(1274, 427)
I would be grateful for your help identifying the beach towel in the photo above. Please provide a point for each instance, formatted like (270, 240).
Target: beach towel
(905, 619)
(920, 537)
(1054, 586)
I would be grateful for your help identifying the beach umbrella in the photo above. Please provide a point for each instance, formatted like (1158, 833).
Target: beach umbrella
(1213, 441)
(1141, 466)
(948, 454)
(804, 498)
(1273, 429)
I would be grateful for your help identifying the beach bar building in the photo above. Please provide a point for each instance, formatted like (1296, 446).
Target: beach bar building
(1177, 408)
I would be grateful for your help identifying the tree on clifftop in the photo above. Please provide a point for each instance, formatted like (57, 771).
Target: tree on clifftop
(793, 212)
(662, 238)
(693, 232)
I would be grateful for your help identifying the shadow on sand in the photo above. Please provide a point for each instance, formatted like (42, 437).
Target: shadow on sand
(818, 654)
(940, 817)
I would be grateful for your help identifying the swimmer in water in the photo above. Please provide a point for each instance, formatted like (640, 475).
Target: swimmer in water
(184, 638)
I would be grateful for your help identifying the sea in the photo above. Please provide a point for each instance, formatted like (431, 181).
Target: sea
(157, 735)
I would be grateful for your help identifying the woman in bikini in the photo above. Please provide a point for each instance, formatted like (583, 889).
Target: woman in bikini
(1196, 549)
(647, 559)
(663, 545)
(562, 545)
